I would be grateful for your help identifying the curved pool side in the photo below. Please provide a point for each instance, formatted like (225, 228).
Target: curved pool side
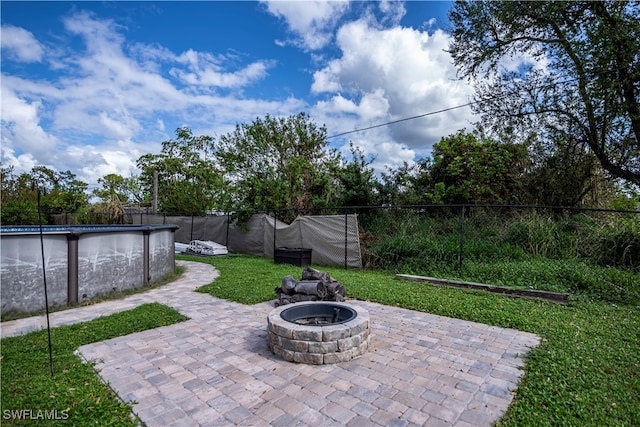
(82, 262)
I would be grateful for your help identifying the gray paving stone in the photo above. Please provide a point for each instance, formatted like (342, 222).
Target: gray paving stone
(215, 369)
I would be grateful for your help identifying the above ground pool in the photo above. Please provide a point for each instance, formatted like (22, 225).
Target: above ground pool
(81, 262)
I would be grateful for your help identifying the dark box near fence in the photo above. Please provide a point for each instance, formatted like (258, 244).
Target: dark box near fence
(295, 256)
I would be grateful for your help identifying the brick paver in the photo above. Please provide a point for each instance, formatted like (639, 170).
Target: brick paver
(215, 369)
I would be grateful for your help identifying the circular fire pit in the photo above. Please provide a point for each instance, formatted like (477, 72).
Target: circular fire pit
(318, 332)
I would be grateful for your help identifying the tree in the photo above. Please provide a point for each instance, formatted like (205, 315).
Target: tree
(465, 169)
(357, 181)
(19, 205)
(579, 78)
(278, 163)
(403, 185)
(564, 175)
(60, 192)
(188, 180)
(126, 190)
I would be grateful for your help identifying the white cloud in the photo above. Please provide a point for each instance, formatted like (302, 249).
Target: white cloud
(387, 74)
(20, 44)
(393, 11)
(21, 129)
(110, 101)
(313, 22)
(113, 98)
(206, 70)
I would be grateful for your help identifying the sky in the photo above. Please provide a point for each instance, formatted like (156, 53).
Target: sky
(92, 86)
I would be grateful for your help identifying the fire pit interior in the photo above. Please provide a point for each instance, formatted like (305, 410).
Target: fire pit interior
(318, 332)
(318, 314)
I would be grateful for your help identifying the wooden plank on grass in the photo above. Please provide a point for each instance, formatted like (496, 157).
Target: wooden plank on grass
(558, 297)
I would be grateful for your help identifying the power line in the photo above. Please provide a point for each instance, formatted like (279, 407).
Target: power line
(404, 120)
(468, 104)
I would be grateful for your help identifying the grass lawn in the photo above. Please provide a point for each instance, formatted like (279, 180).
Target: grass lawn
(75, 393)
(586, 370)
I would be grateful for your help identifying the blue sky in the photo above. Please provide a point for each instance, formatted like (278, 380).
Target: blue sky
(91, 86)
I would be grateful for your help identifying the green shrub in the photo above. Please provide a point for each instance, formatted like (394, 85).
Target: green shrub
(614, 241)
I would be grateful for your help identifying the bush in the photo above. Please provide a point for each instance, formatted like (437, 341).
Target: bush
(593, 255)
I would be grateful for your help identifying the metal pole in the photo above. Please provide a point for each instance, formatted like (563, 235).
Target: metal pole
(44, 279)
(145, 256)
(461, 255)
(191, 235)
(275, 218)
(155, 192)
(346, 237)
(72, 268)
(228, 221)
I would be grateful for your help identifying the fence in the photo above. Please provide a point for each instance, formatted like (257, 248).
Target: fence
(333, 238)
(412, 239)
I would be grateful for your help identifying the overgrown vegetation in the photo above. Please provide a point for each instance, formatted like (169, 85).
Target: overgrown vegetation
(592, 254)
(585, 371)
(75, 394)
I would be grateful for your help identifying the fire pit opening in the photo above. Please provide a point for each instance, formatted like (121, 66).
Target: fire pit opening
(318, 332)
(318, 314)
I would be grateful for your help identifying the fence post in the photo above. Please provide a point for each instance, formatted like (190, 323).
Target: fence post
(346, 237)
(228, 222)
(72, 267)
(275, 219)
(461, 255)
(145, 255)
(191, 231)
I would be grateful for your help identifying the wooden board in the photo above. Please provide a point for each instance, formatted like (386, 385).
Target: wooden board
(557, 297)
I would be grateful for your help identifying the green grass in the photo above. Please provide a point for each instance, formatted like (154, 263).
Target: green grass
(75, 391)
(586, 370)
(593, 256)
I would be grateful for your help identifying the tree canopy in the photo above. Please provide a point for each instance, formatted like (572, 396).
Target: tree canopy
(577, 76)
(466, 169)
(188, 179)
(61, 193)
(276, 163)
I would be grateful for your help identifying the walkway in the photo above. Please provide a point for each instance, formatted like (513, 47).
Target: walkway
(215, 369)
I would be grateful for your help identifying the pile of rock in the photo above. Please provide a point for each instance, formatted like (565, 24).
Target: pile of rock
(314, 285)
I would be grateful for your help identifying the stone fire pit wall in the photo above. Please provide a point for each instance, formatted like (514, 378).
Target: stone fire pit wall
(318, 344)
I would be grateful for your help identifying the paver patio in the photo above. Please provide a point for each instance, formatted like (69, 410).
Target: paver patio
(215, 369)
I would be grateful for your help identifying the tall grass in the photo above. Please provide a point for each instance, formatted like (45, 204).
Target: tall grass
(594, 255)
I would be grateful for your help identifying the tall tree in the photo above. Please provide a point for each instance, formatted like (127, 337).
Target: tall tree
(61, 192)
(125, 190)
(18, 199)
(577, 73)
(188, 179)
(403, 185)
(357, 180)
(278, 163)
(466, 169)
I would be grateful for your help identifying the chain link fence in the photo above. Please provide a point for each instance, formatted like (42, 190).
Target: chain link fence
(415, 239)
(419, 239)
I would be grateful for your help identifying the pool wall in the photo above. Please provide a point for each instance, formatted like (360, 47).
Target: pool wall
(81, 262)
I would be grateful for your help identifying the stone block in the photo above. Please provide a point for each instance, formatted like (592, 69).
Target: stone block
(323, 347)
(295, 345)
(335, 332)
(311, 359)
